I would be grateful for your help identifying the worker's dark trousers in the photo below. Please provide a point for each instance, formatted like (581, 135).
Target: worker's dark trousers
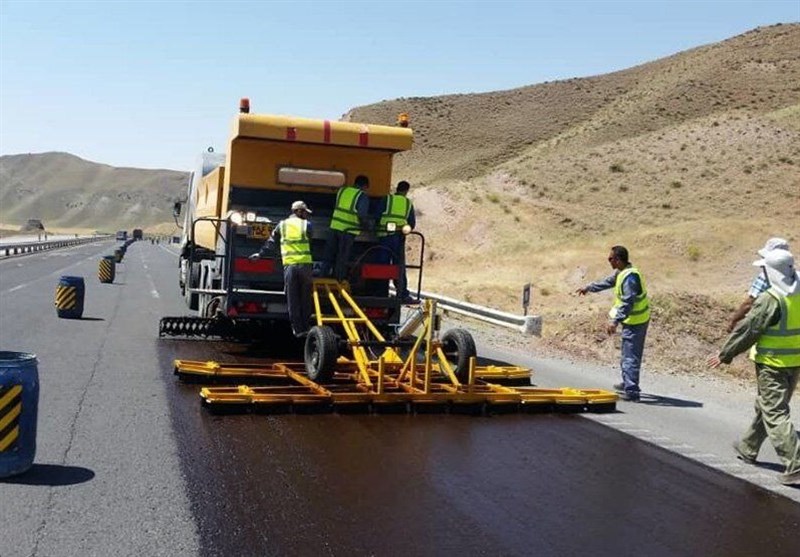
(297, 286)
(395, 252)
(337, 254)
(632, 350)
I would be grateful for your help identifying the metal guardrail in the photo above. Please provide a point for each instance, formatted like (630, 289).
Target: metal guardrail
(527, 324)
(9, 250)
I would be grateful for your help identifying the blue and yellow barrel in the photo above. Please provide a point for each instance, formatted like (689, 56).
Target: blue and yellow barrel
(106, 270)
(69, 297)
(19, 405)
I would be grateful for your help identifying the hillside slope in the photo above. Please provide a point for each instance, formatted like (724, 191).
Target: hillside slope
(691, 161)
(65, 191)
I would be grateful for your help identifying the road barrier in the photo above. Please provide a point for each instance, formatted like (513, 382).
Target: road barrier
(19, 403)
(9, 250)
(527, 324)
(69, 297)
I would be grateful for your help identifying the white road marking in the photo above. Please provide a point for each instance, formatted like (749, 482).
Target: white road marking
(57, 273)
(153, 290)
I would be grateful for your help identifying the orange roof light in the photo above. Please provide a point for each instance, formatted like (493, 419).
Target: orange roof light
(402, 119)
(244, 105)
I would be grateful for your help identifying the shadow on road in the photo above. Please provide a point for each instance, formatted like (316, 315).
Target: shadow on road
(656, 400)
(92, 319)
(52, 475)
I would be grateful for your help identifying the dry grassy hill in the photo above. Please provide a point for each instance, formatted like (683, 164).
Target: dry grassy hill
(69, 193)
(691, 161)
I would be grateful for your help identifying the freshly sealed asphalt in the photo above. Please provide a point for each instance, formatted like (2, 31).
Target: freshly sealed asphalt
(129, 463)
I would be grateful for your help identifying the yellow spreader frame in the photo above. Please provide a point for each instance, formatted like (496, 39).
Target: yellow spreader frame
(423, 378)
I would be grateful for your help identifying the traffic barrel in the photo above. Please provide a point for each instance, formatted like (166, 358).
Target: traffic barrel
(19, 404)
(69, 297)
(118, 253)
(106, 269)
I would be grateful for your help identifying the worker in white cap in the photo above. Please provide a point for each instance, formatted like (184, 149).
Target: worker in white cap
(759, 284)
(294, 236)
(772, 327)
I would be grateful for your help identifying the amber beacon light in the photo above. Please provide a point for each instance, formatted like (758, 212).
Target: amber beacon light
(244, 105)
(402, 119)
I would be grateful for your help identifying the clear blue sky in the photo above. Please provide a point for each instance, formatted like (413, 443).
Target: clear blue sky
(152, 84)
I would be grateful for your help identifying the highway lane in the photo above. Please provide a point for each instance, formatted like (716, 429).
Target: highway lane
(107, 476)
(191, 482)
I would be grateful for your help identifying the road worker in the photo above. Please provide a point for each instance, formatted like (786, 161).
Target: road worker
(760, 283)
(631, 309)
(773, 326)
(293, 234)
(399, 211)
(350, 217)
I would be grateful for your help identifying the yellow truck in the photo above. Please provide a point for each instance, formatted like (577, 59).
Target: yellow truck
(234, 201)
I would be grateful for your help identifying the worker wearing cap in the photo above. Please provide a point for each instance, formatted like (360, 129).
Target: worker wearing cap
(760, 282)
(293, 234)
(350, 217)
(398, 211)
(631, 309)
(772, 327)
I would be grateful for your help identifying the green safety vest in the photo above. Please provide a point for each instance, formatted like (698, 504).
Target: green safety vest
(295, 247)
(398, 207)
(779, 344)
(345, 216)
(640, 312)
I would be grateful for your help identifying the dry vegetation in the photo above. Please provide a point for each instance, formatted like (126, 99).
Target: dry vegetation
(691, 161)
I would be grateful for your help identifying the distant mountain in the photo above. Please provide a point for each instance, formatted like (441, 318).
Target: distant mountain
(65, 191)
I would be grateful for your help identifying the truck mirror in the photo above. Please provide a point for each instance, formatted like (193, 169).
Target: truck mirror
(176, 209)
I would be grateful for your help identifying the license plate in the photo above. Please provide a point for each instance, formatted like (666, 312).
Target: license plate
(261, 231)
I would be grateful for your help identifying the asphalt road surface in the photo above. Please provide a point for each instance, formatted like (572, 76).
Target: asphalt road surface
(129, 463)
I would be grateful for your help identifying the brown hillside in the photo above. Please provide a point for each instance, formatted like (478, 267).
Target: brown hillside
(691, 161)
(67, 192)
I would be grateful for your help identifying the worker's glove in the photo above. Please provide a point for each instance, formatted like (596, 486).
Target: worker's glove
(255, 257)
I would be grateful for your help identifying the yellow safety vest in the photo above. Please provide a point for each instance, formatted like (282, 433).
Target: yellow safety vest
(640, 312)
(779, 345)
(398, 207)
(345, 216)
(295, 247)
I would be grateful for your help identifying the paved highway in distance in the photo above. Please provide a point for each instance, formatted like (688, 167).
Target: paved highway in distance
(128, 463)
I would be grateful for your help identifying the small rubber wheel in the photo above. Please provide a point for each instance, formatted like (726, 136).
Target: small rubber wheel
(458, 347)
(320, 354)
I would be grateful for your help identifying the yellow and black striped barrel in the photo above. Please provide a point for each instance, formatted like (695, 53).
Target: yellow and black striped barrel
(106, 269)
(19, 402)
(69, 297)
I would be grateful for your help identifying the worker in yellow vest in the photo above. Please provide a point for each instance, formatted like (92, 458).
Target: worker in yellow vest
(350, 218)
(631, 309)
(398, 210)
(772, 326)
(294, 236)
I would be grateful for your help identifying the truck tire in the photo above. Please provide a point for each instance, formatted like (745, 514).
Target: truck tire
(192, 299)
(458, 347)
(320, 354)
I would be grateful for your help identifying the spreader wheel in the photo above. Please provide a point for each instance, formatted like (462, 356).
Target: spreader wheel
(320, 354)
